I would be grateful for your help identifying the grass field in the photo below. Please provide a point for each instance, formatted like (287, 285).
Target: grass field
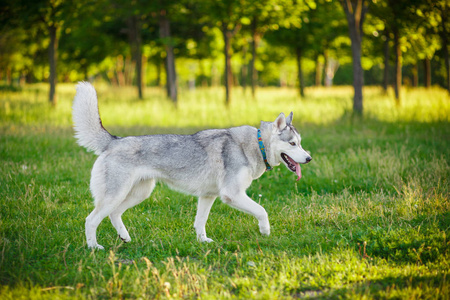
(369, 219)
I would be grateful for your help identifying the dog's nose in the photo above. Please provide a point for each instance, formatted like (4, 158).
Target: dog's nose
(308, 159)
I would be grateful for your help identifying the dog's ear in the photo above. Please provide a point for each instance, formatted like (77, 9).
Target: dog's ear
(289, 118)
(280, 122)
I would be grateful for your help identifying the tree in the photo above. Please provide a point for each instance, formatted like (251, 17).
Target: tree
(164, 31)
(266, 15)
(355, 11)
(318, 31)
(18, 47)
(226, 15)
(421, 46)
(327, 25)
(406, 25)
(196, 37)
(435, 12)
(386, 59)
(298, 41)
(53, 26)
(168, 12)
(51, 14)
(133, 15)
(390, 14)
(303, 35)
(230, 26)
(90, 37)
(380, 37)
(134, 35)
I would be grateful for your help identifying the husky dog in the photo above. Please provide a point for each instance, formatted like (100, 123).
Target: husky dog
(208, 164)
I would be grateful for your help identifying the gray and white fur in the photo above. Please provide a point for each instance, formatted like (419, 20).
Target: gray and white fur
(208, 164)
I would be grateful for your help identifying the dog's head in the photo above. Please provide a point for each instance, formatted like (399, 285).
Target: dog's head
(285, 145)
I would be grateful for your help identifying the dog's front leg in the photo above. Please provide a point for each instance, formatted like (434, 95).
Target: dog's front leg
(244, 203)
(203, 208)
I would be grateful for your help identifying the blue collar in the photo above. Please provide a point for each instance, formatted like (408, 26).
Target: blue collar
(263, 151)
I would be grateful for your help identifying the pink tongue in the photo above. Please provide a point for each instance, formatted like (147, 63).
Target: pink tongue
(298, 171)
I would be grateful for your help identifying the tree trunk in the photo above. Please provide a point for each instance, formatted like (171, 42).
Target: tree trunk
(355, 11)
(128, 68)
(398, 66)
(164, 31)
(22, 78)
(120, 70)
(358, 77)
(326, 81)
(84, 67)
(9, 76)
(52, 55)
(227, 36)
(244, 68)
(228, 74)
(134, 35)
(158, 73)
(144, 61)
(139, 73)
(301, 81)
(427, 72)
(255, 42)
(386, 62)
(444, 37)
(318, 75)
(203, 80)
(447, 65)
(415, 74)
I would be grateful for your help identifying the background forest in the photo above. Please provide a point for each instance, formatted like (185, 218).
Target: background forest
(190, 43)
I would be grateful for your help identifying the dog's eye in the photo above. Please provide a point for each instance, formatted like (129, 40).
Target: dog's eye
(292, 143)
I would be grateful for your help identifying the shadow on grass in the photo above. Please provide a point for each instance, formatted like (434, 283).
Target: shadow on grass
(390, 286)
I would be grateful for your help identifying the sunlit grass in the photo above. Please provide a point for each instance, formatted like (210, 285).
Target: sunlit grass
(204, 107)
(419, 104)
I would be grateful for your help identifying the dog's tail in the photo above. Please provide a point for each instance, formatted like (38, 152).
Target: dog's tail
(89, 130)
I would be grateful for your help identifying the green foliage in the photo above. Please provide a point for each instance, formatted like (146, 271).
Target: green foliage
(94, 38)
(369, 219)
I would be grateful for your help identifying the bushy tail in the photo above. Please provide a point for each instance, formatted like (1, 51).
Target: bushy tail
(89, 130)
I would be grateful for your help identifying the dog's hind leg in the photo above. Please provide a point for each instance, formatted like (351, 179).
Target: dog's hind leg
(203, 208)
(102, 209)
(106, 199)
(139, 192)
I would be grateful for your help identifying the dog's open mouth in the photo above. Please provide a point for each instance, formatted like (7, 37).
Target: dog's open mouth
(292, 165)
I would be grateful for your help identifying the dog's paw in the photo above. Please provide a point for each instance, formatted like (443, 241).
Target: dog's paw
(265, 231)
(97, 246)
(203, 239)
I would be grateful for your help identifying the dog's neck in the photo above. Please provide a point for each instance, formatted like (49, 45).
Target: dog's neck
(262, 148)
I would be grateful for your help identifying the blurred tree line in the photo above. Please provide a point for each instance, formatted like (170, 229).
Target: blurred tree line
(249, 43)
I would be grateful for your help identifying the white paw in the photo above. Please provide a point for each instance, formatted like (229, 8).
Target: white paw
(96, 246)
(264, 230)
(202, 239)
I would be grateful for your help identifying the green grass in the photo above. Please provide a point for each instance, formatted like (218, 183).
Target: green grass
(204, 107)
(369, 219)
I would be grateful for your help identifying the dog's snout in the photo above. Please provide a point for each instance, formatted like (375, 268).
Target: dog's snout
(308, 159)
